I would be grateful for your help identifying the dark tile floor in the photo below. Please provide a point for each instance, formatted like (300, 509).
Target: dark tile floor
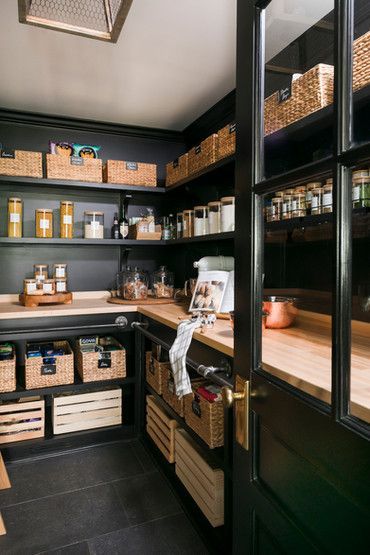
(106, 500)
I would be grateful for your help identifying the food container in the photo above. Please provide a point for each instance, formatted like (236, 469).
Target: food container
(30, 287)
(44, 223)
(309, 189)
(15, 210)
(287, 207)
(60, 271)
(163, 283)
(48, 287)
(136, 285)
(200, 220)
(94, 225)
(130, 173)
(364, 172)
(276, 209)
(203, 155)
(60, 285)
(280, 311)
(316, 201)
(227, 214)
(188, 223)
(214, 216)
(298, 205)
(361, 192)
(66, 219)
(179, 225)
(327, 197)
(41, 273)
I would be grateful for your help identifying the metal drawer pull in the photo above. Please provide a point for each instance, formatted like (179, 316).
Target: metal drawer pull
(140, 325)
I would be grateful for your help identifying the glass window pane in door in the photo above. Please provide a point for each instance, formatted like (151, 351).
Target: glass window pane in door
(361, 71)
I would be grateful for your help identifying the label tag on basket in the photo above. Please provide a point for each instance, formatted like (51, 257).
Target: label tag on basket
(7, 154)
(48, 369)
(195, 405)
(131, 166)
(105, 360)
(175, 163)
(284, 94)
(171, 386)
(151, 366)
(198, 149)
(232, 128)
(77, 161)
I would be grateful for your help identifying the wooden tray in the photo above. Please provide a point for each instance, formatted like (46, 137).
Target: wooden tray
(150, 300)
(30, 301)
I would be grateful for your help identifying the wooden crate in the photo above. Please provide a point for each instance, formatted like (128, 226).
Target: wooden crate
(22, 420)
(86, 411)
(203, 480)
(161, 428)
(74, 168)
(155, 372)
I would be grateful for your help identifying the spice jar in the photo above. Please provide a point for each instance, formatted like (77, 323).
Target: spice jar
(163, 283)
(94, 225)
(287, 207)
(309, 188)
(136, 285)
(44, 223)
(280, 194)
(188, 223)
(60, 285)
(298, 205)
(276, 209)
(300, 189)
(66, 219)
(361, 192)
(179, 222)
(15, 211)
(60, 271)
(41, 273)
(327, 197)
(201, 220)
(364, 172)
(227, 214)
(316, 201)
(30, 287)
(48, 287)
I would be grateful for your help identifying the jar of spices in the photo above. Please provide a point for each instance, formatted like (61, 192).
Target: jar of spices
(60, 271)
(214, 216)
(179, 222)
(66, 219)
(298, 205)
(309, 188)
(136, 285)
(44, 223)
(316, 201)
(276, 209)
(327, 197)
(163, 283)
(364, 172)
(287, 207)
(15, 211)
(300, 189)
(361, 192)
(48, 287)
(201, 220)
(30, 287)
(280, 194)
(41, 273)
(94, 225)
(188, 223)
(227, 214)
(60, 285)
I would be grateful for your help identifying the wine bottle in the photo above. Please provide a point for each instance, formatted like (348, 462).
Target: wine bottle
(115, 234)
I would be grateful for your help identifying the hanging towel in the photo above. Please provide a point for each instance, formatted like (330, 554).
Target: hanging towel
(178, 354)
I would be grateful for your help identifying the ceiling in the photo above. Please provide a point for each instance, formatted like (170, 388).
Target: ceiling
(173, 61)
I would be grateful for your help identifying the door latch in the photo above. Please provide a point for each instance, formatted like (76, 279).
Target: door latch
(240, 400)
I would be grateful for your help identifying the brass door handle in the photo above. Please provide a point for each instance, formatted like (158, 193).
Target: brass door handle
(229, 396)
(239, 397)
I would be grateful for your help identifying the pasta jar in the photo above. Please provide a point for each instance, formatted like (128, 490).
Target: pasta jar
(227, 214)
(60, 285)
(316, 201)
(188, 223)
(214, 216)
(287, 207)
(48, 287)
(298, 205)
(60, 271)
(327, 197)
(163, 283)
(136, 285)
(44, 223)
(66, 219)
(309, 188)
(201, 220)
(276, 209)
(29, 287)
(361, 192)
(94, 225)
(15, 211)
(41, 273)
(179, 223)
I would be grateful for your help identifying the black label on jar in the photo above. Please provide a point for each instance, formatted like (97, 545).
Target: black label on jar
(198, 149)
(105, 360)
(131, 166)
(8, 154)
(76, 161)
(175, 163)
(232, 128)
(195, 405)
(284, 94)
(48, 369)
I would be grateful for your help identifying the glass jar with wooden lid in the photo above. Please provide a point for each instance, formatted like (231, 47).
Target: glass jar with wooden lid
(188, 223)
(298, 204)
(327, 197)
(200, 220)
(41, 273)
(361, 192)
(287, 207)
(227, 214)
(60, 270)
(316, 201)
(364, 172)
(299, 189)
(60, 285)
(214, 216)
(44, 223)
(48, 287)
(30, 287)
(15, 212)
(94, 225)
(276, 209)
(66, 219)
(309, 188)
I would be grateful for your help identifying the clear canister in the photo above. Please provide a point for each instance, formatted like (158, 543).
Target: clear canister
(44, 223)
(60, 271)
(48, 287)
(41, 273)
(309, 188)
(227, 214)
(94, 225)
(15, 212)
(276, 209)
(287, 207)
(327, 197)
(29, 287)
(136, 285)
(316, 201)
(179, 225)
(60, 285)
(188, 223)
(214, 216)
(201, 226)
(298, 205)
(361, 192)
(66, 219)
(163, 283)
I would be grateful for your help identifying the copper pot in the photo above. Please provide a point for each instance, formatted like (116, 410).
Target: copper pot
(282, 311)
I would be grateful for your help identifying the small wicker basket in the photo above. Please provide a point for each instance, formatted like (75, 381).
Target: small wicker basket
(361, 62)
(130, 173)
(177, 170)
(8, 374)
(203, 155)
(95, 367)
(155, 372)
(227, 141)
(25, 164)
(205, 418)
(39, 373)
(169, 392)
(74, 168)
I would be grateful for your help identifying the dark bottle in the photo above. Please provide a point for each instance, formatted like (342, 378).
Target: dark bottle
(123, 224)
(115, 234)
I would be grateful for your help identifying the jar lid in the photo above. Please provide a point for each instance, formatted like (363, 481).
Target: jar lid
(288, 196)
(15, 199)
(228, 199)
(60, 279)
(200, 207)
(215, 203)
(93, 213)
(41, 265)
(313, 184)
(288, 191)
(57, 264)
(317, 190)
(361, 179)
(360, 173)
(49, 280)
(29, 280)
(279, 194)
(45, 210)
(277, 199)
(329, 181)
(66, 202)
(300, 189)
(188, 212)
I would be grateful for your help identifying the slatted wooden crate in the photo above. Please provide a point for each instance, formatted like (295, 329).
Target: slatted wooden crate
(87, 411)
(22, 420)
(203, 480)
(155, 372)
(161, 428)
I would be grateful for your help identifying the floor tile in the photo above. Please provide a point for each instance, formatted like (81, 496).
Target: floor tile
(61, 520)
(172, 535)
(75, 549)
(144, 456)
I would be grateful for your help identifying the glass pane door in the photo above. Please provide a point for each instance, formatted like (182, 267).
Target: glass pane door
(361, 71)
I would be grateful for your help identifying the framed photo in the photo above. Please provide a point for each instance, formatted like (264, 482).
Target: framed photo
(208, 294)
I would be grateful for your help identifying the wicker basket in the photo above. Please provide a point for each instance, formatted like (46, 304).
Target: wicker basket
(169, 392)
(130, 173)
(96, 367)
(8, 375)
(203, 155)
(25, 164)
(177, 170)
(311, 92)
(39, 373)
(205, 418)
(226, 141)
(155, 372)
(74, 168)
(361, 62)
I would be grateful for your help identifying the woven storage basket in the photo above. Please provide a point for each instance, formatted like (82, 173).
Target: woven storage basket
(161, 428)
(169, 391)
(361, 62)
(205, 418)
(226, 141)
(79, 169)
(40, 374)
(203, 155)
(311, 92)
(92, 367)
(177, 170)
(7, 375)
(130, 173)
(155, 372)
(25, 163)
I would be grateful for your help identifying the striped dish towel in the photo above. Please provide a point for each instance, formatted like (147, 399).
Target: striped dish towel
(178, 354)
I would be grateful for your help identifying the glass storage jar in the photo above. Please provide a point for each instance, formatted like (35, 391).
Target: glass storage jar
(276, 209)
(214, 216)
(44, 223)
(136, 285)
(66, 219)
(15, 211)
(287, 207)
(60, 271)
(188, 223)
(94, 225)
(309, 188)
(41, 273)
(60, 285)
(361, 192)
(298, 205)
(227, 214)
(327, 197)
(163, 283)
(29, 287)
(48, 287)
(364, 172)
(316, 201)
(179, 222)
(201, 220)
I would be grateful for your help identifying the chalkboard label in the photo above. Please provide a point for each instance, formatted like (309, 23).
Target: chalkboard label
(195, 405)
(8, 154)
(232, 128)
(171, 386)
(175, 163)
(76, 161)
(105, 360)
(284, 94)
(131, 166)
(198, 149)
(151, 366)
(48, 369)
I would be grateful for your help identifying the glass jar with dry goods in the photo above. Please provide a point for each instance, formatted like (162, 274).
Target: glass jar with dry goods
(361, 192)
(200, 220)
(60, 271)
(15, 211)
(30, 287)
(287, 207)
(188, 223)
(364, 172)
(136, 285)
(327, 197)
(298, 205)
(316, 201)
(44, 223)
(66, 219)
(214, 216)
(276, 209)
(48, 287)
(94, 225)
(179, 222)
(60, 285)
(163, 283)
(41, 273)
(309, 188)
(227, 214)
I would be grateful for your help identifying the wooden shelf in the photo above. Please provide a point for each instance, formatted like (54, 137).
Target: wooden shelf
(206, 172)
(203, 238)
(308, 221)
